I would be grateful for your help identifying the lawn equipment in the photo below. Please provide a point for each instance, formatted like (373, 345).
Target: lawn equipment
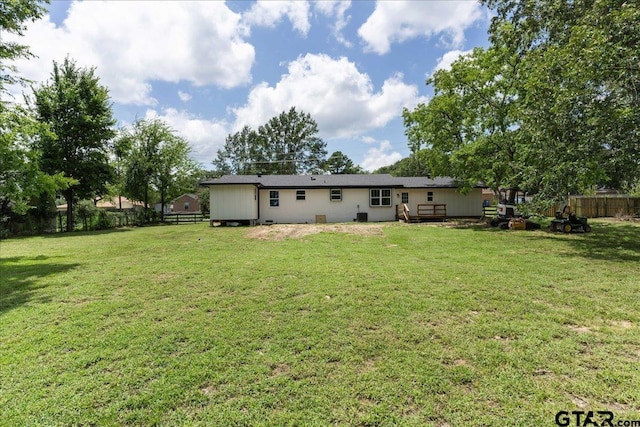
(506, 211)
(566, 222)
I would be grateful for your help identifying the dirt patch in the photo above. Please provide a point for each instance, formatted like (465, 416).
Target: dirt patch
(622, 324)
(210, 389)
(579, 329)
(297, 231)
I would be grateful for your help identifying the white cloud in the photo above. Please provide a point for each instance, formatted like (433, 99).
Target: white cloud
(340, 98)
(398, 21)
(204, 136)
(270, 13)
(445, 61)
(134, 43)
(336, 9)
(382, 155)
(184, 96)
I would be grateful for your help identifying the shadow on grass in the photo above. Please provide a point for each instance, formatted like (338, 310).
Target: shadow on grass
(20, 279)
(87, 233)
(612, 242)
(607, 241)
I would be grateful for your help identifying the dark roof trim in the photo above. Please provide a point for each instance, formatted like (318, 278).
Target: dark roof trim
(332, 181)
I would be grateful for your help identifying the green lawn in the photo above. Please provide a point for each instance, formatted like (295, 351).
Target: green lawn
(406, 325)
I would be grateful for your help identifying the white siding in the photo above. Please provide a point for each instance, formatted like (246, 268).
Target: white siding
(318, 202)
(458, 205)
(246, 202)
(233, 202)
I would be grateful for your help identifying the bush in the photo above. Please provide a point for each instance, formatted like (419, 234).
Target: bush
(105, 220)
(86, 210)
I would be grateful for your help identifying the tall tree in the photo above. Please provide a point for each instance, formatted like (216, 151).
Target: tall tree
(470, 129)
(77, 109)
(121, 149)
(580, 90)
(287, 144)
(414, 165)
(14, 14)
(552, 106)
(157, 161)
(339, 163)
(239, 154)
(175, 170)
(20, 176)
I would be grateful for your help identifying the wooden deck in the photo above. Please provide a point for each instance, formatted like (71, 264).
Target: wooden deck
(424, 212)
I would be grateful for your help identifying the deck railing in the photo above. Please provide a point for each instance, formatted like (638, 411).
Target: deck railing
(432, 211)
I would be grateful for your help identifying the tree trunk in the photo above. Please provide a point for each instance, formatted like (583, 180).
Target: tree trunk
(162, 202)
(68, 196)
(146, 204)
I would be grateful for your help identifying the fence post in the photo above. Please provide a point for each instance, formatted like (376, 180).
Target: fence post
(629, 206)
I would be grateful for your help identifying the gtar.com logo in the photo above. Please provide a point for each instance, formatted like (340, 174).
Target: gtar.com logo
(591, 418)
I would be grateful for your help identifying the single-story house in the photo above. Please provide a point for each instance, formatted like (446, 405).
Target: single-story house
(187, 203)
(114, 204)
(271, 199)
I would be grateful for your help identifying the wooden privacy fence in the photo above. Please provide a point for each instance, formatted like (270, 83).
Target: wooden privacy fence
(589, 206)
(605, 206)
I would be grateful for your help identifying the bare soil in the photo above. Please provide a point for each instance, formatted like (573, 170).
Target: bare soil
(297, 231)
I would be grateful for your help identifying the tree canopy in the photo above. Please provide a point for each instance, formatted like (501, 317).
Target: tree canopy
(77, 110)
(552, 106)
(286, 144)
(339, 163)
(414, 165)
(156, 160)
(470, 127)
(21, 179)
(14, 15)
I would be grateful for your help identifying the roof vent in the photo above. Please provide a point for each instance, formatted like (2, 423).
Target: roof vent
(313, 178)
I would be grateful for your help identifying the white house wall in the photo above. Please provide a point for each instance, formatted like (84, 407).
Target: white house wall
(246, 202)
(233, 202)
(317, 202)
(458, 205)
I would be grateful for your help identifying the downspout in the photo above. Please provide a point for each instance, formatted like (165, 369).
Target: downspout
(257, 190)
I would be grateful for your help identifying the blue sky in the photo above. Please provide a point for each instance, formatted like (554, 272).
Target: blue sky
(209, 68)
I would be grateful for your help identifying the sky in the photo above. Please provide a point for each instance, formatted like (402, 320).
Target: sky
(208, 68)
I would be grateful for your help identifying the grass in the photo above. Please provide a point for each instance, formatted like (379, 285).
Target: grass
(417, 325)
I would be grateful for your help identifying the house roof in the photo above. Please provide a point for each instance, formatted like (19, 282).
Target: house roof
(331, 181)
(191, 195)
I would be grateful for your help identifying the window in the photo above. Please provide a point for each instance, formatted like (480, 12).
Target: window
(186, 206)
(300, 195)
(274, 198)
(380, 197)
(429, 196)
(336, 194)
(405, 197)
